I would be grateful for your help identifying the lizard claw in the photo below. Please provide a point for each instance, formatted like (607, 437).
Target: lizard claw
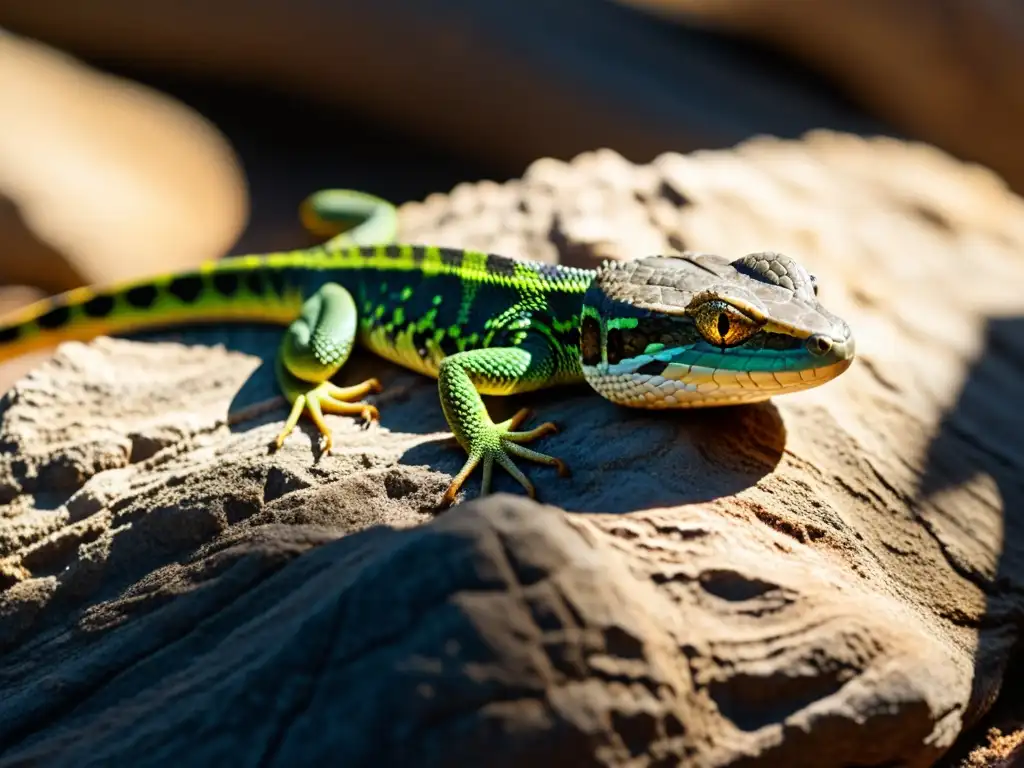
(328, 398)
(497, 445)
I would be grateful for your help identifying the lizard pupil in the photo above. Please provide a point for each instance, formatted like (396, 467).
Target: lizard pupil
(723, 325)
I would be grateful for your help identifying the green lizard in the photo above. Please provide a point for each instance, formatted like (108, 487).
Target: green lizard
(682, 331)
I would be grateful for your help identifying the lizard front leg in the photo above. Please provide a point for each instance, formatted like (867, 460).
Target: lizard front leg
(460, 377)
(313, 349)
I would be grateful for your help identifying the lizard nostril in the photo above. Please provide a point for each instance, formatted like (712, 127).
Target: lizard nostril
(819, 344)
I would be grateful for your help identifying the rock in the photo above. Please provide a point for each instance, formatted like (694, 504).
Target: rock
(830, 579)
(102, 179)
(525, 624)
(1001, 751)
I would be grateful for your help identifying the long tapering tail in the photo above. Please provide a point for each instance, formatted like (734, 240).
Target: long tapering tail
(267, 288)
(243, 288)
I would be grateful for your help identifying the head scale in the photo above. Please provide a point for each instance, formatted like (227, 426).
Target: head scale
(697, 330)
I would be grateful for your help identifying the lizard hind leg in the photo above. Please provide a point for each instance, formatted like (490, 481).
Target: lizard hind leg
(313, 349)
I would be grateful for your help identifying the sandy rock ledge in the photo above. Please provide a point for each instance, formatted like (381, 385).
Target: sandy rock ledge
(831, 579)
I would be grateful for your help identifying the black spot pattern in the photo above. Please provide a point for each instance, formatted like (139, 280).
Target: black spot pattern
(276, 279)
(9, 334)
(55, 318)
(141, 296)
(99, 306)
(254, 281)
(187, 288)
(652, 368)
(451, 257)
(226, 283)
(501, 265)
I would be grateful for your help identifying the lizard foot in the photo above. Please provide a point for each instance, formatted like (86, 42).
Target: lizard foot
(498, 444)
(328, 398)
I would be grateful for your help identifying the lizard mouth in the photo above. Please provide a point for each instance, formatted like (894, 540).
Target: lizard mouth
(700, 379)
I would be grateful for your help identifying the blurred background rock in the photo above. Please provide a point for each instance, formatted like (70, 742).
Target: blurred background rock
(185, 130)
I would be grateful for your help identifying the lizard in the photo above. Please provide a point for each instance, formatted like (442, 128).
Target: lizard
(686, 330)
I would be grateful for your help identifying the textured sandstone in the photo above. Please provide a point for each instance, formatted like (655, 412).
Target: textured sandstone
(831, 579)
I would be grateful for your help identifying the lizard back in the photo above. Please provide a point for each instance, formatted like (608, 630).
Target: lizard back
(416, 304)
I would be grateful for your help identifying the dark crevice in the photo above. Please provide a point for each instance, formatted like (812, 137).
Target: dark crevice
(77, 697)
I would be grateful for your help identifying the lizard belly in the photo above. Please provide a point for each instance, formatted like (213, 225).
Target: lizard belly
(401, 347)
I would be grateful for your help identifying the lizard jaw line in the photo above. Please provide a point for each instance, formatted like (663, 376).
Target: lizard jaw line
(705, 387)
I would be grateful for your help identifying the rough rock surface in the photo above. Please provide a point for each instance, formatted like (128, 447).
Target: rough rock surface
(831, 579)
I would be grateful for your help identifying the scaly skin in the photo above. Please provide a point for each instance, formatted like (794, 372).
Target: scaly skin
(663, 332)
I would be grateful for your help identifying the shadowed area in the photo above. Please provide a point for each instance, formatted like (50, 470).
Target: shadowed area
(980, 446)
(621, 459)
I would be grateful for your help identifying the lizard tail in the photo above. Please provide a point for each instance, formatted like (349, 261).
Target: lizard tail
(247, 288)
(267, 288)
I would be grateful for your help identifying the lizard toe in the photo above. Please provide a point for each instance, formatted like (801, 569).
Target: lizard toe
(497, 445)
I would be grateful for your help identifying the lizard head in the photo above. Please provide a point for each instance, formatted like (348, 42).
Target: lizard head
(697, 330)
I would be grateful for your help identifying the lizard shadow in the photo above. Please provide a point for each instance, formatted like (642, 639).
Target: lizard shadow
(624, 460)
(621, 459)
(253, 340)
(401, 402)
(981, 531)
(258, 401)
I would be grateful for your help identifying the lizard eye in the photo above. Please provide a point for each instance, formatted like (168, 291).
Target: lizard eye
(722, 324)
